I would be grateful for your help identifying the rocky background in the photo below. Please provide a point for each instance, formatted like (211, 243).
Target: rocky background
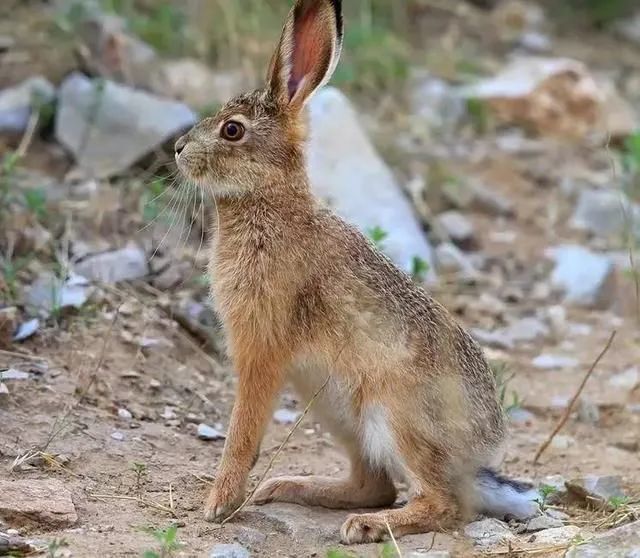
(492, 148)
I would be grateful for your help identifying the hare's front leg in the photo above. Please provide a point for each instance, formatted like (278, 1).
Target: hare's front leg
(259, 382)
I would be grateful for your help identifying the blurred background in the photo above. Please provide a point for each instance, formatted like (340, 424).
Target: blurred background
(490, 147)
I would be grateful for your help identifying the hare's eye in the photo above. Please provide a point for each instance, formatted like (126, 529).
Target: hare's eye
(232, 130)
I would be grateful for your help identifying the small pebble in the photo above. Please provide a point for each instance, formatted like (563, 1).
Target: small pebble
(4, 390)
(285, 416)
(229, 551)
(206, 432)
(26, 330)
(169, 413)
(124, 414)
(154, 384)
(119, 436)
(14, 374)
(551, 362)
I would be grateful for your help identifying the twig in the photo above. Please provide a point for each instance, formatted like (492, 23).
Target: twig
(171, 497)
(393, 539)
(277, 453)
(27, 138)
(139, 499)
(571, 404)
(23, 355)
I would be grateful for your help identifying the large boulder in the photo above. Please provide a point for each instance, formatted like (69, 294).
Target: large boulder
(347, 172)
(108, 126)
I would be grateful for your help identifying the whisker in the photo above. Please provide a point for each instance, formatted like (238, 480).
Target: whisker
(174, 203)
(171, 188)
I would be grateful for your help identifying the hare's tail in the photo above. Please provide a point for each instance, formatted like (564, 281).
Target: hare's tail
(502, 497)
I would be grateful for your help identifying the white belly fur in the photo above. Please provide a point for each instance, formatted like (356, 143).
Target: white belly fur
(370, 431)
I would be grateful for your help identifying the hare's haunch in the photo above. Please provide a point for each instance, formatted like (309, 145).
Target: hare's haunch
(304, 297)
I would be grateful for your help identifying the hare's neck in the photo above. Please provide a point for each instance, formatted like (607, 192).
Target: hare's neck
(262, 220)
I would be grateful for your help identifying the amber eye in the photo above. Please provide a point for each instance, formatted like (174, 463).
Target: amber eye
(232, 131)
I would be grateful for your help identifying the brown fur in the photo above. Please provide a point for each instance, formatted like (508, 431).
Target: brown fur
(303, 295)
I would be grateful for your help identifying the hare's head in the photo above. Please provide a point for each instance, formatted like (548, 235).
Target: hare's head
(260, 135)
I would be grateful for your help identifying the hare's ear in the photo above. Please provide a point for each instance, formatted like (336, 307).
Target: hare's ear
(308, 51)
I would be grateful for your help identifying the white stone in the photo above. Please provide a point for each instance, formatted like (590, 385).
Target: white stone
(346, 172)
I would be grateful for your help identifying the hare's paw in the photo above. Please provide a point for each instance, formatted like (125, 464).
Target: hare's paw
(222, 501)
(364, 528)
(279, 489)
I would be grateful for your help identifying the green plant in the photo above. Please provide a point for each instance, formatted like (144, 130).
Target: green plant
(388, 550)
(9, 270)
(631, 165)
(419, 269)
(503, 378)
(377, 235)
(35, 200)
(479, 115)
(545, 491)
(166, 538)
(617, 502)
(55, 546)
(337, 553)
(151, 200)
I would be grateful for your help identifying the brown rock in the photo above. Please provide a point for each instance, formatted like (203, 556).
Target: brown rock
(43, 503)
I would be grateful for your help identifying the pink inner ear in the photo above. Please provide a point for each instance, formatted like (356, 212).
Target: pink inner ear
(310, 49)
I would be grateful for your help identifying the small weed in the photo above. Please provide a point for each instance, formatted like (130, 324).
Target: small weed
(377, 235)
(151, 200)
(617, 502)
(419, 269)
(35, 201)
(479, 115)
(140, 471)
(9, 270)
(503, 378)
(166, 538)
(336, 553)
(388, 550)
(54, 548)
(545, 491)
(631, 165)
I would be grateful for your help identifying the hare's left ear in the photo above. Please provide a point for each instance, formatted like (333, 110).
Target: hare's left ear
(308, 51)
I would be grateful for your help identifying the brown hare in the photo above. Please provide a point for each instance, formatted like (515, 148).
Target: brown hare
(306, 298)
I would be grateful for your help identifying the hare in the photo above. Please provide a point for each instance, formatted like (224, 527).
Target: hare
(306, 298)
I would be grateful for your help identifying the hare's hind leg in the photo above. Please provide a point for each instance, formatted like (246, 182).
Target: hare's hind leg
(362, 489)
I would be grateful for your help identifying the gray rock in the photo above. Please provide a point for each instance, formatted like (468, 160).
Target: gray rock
(583, 276)
(588, 411)
(604, 212)
(595, 490)
(126, 264)
(345, 170)
(621, 542)
(541, 523)
(457, 227)
(193, 82)
(629, 28)
(229, 551)
(285, 416)
(429, 554)
(518, 415)
(524, 330)
(124, 414)
(17, 102)
(552, 362)
(301, 524)
(36, 503)
(49, 294)
(436, 104)
(26, 329)
(488, 532)
(451, 259)
(14, 374)
(628, 379)
(557, 535)
(108, 127)
(206, 432)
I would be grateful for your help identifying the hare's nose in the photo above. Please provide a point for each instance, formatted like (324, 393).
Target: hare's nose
(180, 145)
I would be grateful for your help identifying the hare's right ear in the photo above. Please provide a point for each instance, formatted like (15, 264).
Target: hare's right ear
(308, 51)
